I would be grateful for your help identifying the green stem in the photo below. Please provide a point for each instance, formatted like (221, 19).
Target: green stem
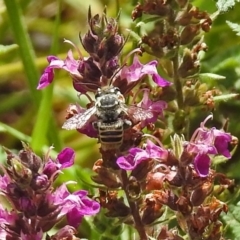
(45, 117)
(25, 47)
(177, 81)
(44, 123)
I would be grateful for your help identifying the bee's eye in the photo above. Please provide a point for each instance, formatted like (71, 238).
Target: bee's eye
(116, 90)
(98, 93)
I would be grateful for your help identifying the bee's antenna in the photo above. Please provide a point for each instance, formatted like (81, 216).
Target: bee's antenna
(87, 95)
(111, 79)
(87, 84)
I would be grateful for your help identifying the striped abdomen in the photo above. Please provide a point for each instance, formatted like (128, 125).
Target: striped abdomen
(110, 134)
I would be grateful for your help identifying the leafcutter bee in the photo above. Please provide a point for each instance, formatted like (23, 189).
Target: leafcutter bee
(109, 116)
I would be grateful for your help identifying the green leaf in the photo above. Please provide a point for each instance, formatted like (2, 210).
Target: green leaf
(234, 26)
(134, 35)
(225, 5)
(5, 49)
(232, 219)
(225, 97)
(14, 132)
(210, 77)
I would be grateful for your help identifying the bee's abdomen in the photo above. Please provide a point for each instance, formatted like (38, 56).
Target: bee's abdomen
(111, 134)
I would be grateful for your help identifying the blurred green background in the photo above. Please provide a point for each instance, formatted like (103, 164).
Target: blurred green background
(37, 116)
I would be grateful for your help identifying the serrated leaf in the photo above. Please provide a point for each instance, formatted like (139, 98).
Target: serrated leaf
(210, 76)
(234, 26)
(225, 97)
(225, 5)
(5, 49)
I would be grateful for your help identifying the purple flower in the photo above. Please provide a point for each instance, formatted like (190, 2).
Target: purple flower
(137, 155)
(202, 164)
(130, 161)
(201, 148)
(207, 142)
(75, 205)
(64, 159)
(4, 182)
(48, 74)
(67, 232)
(156, 108)
(136, 71)
(214, 138)
(155, 151)
(30, 236)
(6, 219)
(221, 142)
(69, 64)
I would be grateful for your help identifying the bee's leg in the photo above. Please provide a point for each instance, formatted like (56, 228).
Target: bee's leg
(127, 124)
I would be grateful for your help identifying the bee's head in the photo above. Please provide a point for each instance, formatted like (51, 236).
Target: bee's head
(109, 97)
(106, 91)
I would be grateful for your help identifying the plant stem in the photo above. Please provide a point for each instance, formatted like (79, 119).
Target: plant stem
(40, 131)
(134, 209)
(44, 122)
(177, 81)
(25, 46)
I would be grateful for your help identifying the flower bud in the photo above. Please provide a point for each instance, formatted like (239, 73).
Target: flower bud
(109, 67)
(102, 41)
(184, 205)
(183, 18)
(189, 65)
(133, 188)
(106, 176)
(206, 25)
(155, 181)
(90, 73)
(152, 210)
(32, 161)
(40, 183)
(166, 234)
(186, 158)
(111, 47)
(137, 12)
(200, 194)
(66, 232)
(19, 173)
(141, 170)
(189, 33)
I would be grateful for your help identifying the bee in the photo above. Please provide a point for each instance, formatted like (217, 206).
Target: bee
(109, 116)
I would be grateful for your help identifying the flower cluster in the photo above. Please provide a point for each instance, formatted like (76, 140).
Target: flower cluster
(204, 143)
(102, 67)
(128, 74)
(153, 177)
(101, 70)
(136, 155)
(36, 205)
(159, 171)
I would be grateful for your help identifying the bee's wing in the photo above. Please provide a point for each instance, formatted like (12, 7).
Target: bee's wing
(138, 114)
(78, 121)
